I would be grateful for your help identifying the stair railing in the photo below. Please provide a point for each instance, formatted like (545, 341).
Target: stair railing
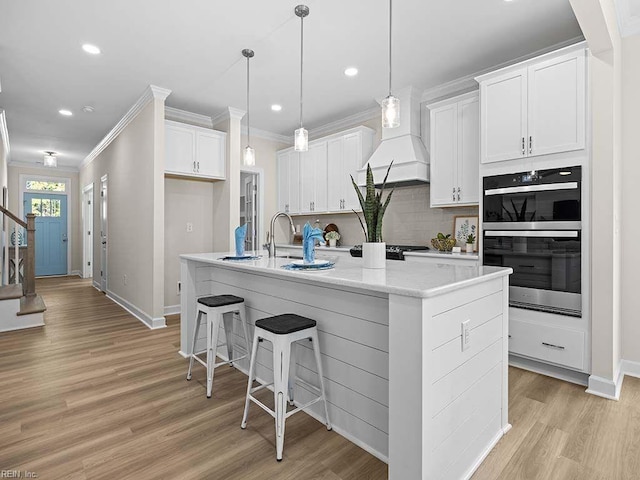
(11, 229)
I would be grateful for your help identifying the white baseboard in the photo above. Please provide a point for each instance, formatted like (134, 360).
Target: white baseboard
(15, 322)
(150, 322)
(603, 387)
(486, 452)
(631, 368)
(77, 273)
(96, 285)
(171, 309)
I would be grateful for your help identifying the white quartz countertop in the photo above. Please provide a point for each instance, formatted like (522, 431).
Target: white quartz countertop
(401, 278)
(341, 248)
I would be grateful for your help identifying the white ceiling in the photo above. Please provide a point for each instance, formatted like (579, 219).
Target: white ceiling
(193, 47)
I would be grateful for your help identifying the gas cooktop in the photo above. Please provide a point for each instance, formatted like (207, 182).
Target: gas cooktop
(394, 252)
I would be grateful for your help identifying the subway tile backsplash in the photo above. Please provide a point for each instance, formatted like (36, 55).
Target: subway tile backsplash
(409, 219)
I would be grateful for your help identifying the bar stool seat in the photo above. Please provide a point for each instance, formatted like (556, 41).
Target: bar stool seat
(215, 307)
(283, 331)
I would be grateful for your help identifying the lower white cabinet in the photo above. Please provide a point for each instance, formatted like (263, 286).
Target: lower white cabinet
(548, 343)
(194, 151)
(455, 151)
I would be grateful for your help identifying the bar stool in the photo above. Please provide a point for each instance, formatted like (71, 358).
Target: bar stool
(214, 308)
(282, 331)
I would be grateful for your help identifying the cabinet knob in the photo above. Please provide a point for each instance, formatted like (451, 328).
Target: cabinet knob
(194, 166)
(458, 193)
(453, 195)
(523, 151)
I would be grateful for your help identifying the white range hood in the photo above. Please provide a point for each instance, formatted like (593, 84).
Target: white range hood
(403, 145)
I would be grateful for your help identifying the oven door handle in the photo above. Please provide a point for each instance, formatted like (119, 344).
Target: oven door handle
(531, 188)
(532, 233)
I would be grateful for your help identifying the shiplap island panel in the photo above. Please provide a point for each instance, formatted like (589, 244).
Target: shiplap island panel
(401, 381)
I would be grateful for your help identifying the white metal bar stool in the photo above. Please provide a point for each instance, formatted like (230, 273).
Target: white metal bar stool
(282, 331)
(214, 308)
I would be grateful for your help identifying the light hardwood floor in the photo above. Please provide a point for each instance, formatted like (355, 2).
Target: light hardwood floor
(96, 395)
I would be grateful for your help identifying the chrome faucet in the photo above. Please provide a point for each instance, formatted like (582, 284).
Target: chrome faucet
(271, 234)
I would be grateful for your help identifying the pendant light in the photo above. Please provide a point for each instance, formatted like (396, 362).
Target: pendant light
(301, 136)
(391, 104)
(249, 153)
(50, 159)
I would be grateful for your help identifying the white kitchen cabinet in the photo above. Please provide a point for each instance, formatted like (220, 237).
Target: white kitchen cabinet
(288, 164)
(313, 175)
(534, 108)
(324, 182)
(455, 157)
(194, 151)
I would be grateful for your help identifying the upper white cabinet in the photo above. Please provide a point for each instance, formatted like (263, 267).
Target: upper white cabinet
(319, 179)
(288, 164)
(347, 154)
(536, 108)
(194, 151)
(313, 168)
(455, 147)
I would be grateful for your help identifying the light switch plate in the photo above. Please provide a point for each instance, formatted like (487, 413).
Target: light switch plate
(466, 334)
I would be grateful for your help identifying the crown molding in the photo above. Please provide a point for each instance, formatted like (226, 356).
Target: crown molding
(228, 113)
(276, 137)
(627, 23)
(468, 82)
(40, 166)
(4, 134)
(183, 116)
(150, 93)
(343, 123)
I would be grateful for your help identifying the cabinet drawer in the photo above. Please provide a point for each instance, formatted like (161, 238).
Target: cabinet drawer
(546, 343)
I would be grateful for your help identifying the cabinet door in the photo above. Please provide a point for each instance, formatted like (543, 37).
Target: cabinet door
(444, 155)
(283, 181)
(210, 154)
(352, 161)
(318, 153)
(469, 151)
(335, 171)
(179, 149)
(557, 99)
(503, 112)
(294, 181)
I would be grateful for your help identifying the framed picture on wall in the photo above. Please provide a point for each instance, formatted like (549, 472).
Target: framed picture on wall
(463, 226)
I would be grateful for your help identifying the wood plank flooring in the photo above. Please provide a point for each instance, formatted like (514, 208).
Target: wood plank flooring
(96, 395)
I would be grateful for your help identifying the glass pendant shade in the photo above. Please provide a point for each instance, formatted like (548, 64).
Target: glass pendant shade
(249, 156)
(50, 160)
(301, 140)
(391, 112)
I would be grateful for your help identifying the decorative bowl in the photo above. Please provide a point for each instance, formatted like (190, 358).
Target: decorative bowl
(443, 244)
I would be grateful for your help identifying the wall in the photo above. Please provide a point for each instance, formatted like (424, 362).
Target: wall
(630, 176)
(134, 164)
(73, 203)
(185, 201)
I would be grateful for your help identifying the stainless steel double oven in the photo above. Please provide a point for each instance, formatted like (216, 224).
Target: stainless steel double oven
(532, 223)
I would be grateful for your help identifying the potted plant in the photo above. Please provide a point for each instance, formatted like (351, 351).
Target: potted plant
(332, 238)
(471, 239)
(373, 208)
(443, 243)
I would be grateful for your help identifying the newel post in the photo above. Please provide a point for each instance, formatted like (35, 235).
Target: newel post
(30, 264)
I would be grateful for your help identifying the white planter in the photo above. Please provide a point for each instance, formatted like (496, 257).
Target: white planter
(469, 247)
(374, 254)
(332, 242)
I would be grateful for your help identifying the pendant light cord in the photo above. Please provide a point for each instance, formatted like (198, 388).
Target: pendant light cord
(301, 62)
(390, 23)
(248, 109)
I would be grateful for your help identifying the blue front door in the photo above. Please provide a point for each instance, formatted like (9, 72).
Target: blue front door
(51, 231)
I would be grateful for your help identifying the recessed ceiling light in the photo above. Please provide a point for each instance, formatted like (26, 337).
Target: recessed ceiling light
(92, 49)
(351, 72)
(276, 107)
(88, 109)
(66, 113)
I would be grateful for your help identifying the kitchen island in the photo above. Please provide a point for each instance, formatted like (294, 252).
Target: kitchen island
(414, 356)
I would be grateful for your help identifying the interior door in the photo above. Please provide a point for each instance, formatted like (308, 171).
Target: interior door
(103, 234)
(51, 231)
(87, 233)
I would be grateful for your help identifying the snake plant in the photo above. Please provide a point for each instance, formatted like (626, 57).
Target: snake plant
(373, 207)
